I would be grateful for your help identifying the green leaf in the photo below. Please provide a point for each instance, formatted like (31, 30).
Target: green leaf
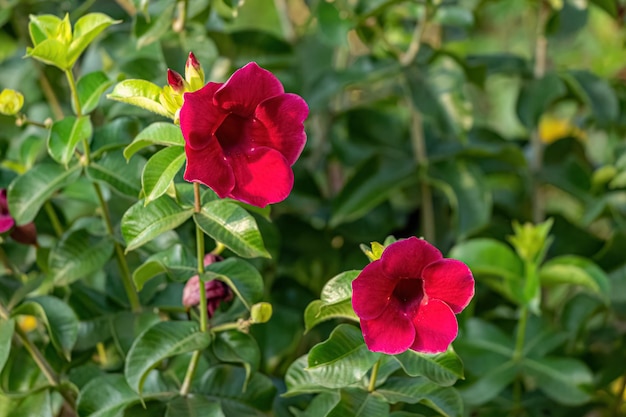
(565, 380)
(6, 338)
(161, 341)
(317, 312)
(486, 256)
(490, 383)
(358, 403)
(28, 192)
(85, 31)
(139, 93)
(65, 135)
(59, 319)
(321, 405)
(241, 277)
(78, 255)
(90, 88)
(105, 396)
(226, 383)
(610, 6)
(142, 224)
(443, 368)
(174, 261)
(193, 406)
(160, 171)
(159, 133)
(299, 380)
(575, 270)
(237, 347)
(373, 182)
(339, 287)
(51, 52)
(233, 226)
(466, 189)
(596, 93)
(114, 171)
(150, 29)
(446, 400)
(332, 25)
(536, 96)
(341, 360)
(42, 27)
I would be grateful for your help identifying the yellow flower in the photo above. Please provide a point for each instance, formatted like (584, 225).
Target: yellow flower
(11, 102)
(552, 128)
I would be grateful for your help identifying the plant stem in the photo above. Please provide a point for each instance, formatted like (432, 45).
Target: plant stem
(131, 291)
(51, 98)
(372, 385)
(195, 358)
(521, 335)
(539, 70)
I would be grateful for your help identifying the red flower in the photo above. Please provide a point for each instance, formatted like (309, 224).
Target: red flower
(243, 136)
(26, 233)
(216, 291)
(408, 298)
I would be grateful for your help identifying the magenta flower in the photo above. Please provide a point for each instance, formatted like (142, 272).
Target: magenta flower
(26, 233)
(243, 136)
(409, 297)
(216, 291)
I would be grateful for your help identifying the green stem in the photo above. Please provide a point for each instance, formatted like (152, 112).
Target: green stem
(372, 385)
(521, 335)
(195, 358)
(54, 219)
(51, 98)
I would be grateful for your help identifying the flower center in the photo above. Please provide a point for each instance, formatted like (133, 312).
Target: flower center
(231, 134)
(409, 292)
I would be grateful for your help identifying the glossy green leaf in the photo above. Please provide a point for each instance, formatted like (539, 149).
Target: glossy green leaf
(90, 88)
(115, 172)
(486, 256)
(59, 319)
(142, 224)
(341, 360)
(565, 380)
(139, 93)
(446, 400)
(536, 96)
(85, 31)
(193, 406)
(161, 341)
(339, 287)
(159, 133)
(28, 192)
(442, 368)
(233, 226)
(175, 261)
(160, 171)
(318, 312)
(51, 52)
(359, 403)
(78, 255)
(65, 135)
(243, 278)
(234, 346)
(575, 270)
(6, 338)
(490, 383)
(299, 380)
(321, 405)
(42, 27)
(226, 383)
(105, 396)
(149, 29)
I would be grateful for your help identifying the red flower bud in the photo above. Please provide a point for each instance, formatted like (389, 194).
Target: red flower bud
(176, 81)
(193, 62)
(216, 291)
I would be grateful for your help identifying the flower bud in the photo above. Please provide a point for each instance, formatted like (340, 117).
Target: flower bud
(11, 102)
(216, 291)
(194, 74)
(176, 81)
(261, 312)
(26, 234)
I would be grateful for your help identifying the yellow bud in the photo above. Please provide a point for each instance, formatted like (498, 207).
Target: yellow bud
(194, 74)
(261, 312)
(27, 323)
(11, 102)
(64, 31)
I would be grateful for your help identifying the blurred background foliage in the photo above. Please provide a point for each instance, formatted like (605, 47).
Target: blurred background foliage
(448, 119)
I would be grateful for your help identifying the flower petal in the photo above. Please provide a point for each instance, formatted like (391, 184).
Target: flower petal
(210, 167)
(407, 258)
(392, 332)
(246, 89)
(263, 176)
(200, 117)
(435, 327)
(6, 223)
(450, 281)
(371, 291)
(282, 116)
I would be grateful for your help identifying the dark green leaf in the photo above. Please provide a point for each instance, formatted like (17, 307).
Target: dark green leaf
(236, 347)
(142, 224)
(6, 338)
(105, 396)
(174, 261)
(359, 403)
(233, 226)
(90, 88)
(243, 278)
(78, 255)
(299, 380)
(446, 400)
(565, 380)
(161, 341)
(490, 383)
(536, 96)
(160, 171)
(443, 368)
(114, 171)
(596, 93)
(317, 312)
(193, 406)
(65, 135)
(28, 192)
